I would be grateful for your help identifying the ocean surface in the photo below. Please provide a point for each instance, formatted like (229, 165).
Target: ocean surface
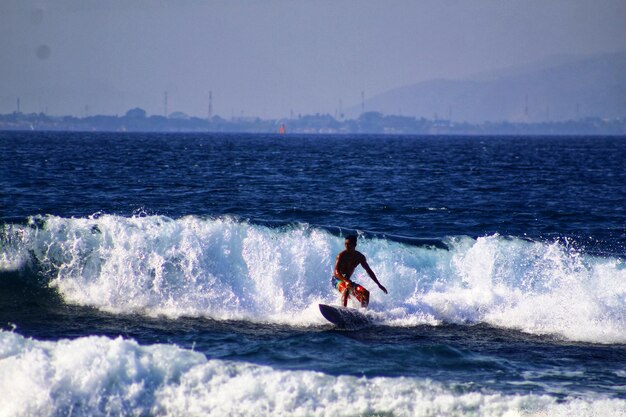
(180, 275)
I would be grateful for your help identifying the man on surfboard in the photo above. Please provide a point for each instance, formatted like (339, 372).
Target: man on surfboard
(346, 263)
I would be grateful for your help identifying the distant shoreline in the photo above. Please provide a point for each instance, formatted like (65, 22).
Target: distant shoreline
(136, 120)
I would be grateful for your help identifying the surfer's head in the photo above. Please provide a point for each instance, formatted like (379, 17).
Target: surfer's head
(350, 242)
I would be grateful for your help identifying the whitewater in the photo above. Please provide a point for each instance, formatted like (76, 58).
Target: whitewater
(97, 376)
(226, 269)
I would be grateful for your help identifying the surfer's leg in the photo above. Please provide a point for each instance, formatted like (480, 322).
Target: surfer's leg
(362, 295)
(344, 297)
(343, 289)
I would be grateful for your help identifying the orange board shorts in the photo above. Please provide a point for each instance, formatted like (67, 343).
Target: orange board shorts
(357, 289)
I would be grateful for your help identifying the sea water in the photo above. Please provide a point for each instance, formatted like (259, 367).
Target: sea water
(179, 274)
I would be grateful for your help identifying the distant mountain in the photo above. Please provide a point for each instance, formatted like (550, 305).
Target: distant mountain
(559, 88)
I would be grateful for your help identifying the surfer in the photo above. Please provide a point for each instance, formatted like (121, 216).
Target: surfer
(346, 263)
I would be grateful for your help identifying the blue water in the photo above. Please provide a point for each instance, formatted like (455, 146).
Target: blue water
(147, 274)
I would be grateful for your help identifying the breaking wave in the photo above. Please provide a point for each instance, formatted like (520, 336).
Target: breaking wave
(99, 376)
(229, 269)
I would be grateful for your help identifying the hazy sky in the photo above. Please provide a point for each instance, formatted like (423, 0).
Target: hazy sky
(268, 58)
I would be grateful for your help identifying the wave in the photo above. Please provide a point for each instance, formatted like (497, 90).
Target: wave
(224, 268)
(99, 376)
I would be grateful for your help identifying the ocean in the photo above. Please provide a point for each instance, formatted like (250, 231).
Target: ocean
(180, 275)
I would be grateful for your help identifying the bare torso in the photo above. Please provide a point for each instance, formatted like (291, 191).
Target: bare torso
(347, 261)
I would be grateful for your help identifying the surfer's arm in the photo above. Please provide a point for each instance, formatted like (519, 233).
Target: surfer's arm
(340, 277)
(372, 275)
(338, 274)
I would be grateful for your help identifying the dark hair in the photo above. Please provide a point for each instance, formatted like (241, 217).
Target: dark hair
(351, 239)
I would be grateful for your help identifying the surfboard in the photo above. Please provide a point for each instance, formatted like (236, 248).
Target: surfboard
(344, 316)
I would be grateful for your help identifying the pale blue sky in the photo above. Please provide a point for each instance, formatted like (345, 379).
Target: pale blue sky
(266, 58)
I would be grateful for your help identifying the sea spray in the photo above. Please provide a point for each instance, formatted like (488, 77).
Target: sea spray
(228, 269)
(100, 376)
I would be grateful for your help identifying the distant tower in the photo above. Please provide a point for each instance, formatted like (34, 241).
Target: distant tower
(18, 104)
(526, 108)
(210, 105)
(340, 108)
(165, 104)
(362, 101)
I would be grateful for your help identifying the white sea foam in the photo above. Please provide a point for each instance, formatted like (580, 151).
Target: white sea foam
(13, 253)
(98, 376)
(228, 269)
